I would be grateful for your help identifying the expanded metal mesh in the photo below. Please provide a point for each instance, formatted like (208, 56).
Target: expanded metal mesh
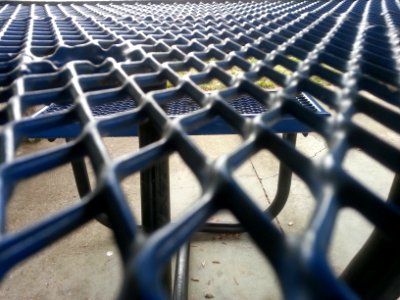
(92, 54)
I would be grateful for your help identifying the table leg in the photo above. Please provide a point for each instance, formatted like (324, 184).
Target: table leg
(154, 184)
(81, 177)
(284, 182)
(182, 273)
(83, 183)
(374, 273)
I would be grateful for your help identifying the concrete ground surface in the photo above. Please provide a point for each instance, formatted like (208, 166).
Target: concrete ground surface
(86, 264)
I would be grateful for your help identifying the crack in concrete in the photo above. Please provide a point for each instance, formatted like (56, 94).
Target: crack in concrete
(265, 192)
(318, 152)
(269, 177)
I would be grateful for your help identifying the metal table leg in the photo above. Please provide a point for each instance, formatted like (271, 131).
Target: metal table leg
(182, 273)
(81, 176)
(182, 261)
(155, 196)
(83, 183)
(155, 200)
(374, 273)
(154, 184)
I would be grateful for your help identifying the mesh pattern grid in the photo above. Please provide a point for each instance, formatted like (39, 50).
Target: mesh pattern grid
(245, 105)
(93, 54)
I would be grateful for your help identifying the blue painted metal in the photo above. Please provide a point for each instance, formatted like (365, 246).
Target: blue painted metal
(93, 54)
(245, 105)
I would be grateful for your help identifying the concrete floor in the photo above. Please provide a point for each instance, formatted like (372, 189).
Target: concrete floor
(85, 264)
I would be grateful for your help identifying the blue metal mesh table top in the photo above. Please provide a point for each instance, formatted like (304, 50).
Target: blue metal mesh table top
(243, 104)
(108, 53)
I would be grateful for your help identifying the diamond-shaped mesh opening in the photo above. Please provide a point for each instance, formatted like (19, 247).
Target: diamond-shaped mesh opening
(44, 178)
(325, 97)
(210, 58)
(210, 82)
(35, 104)
(7, 80)
(262, 177)
(269, 79)
(160, 47)
(170, 57)
(55, 183)
(312, 145)
(331, 68)
(8, 66)
(97, 275)
(349, 226)
(212, 85)
(100, 82)
(44, 50)
(180, 104)
(47, 81)
(155, 82)
(138, 68)
(125, 121)
(380, 88)
(65, 126)
(324, 83)
(372, 96)
(267, 84)
(111, 102)
(130, 185)
(85, 68)
(213, 121)
(235, 71)
(182, 72)
(252, 176)
(299, 209)
(212, 269)
(385, 133)
(120, 149)
(360, 166)
(210, 41)
(252, 59)
(245, 104)
(221, 146)
(193, 47)
(184, 186)
(283, 70)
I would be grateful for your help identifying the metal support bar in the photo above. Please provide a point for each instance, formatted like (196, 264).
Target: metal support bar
(284, 182)
(374, 273)
(154, 185)
(81, 176)
(82, 182)
(280, 199)
(182, 273)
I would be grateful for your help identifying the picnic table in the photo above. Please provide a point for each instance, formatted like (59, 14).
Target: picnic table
(118, 68)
